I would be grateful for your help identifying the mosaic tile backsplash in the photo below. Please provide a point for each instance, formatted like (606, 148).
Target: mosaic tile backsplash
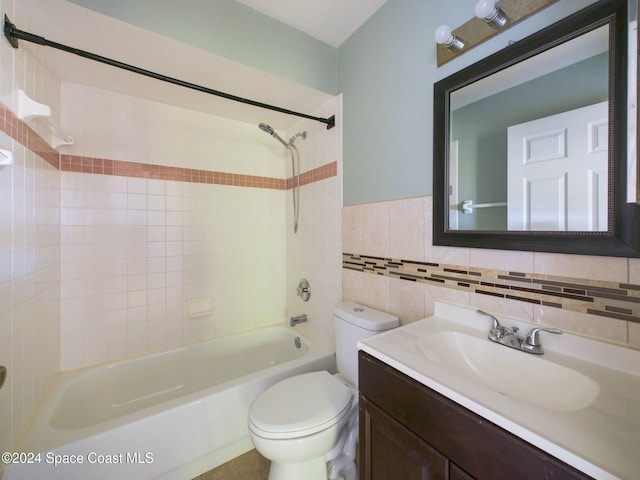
(608, 299)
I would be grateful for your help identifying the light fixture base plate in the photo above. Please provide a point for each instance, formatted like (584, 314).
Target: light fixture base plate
(476, 30)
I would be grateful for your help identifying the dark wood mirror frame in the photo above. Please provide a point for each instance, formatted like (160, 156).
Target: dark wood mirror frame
(622, 239)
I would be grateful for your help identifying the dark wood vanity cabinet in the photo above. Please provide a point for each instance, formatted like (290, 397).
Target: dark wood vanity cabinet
(408, 431)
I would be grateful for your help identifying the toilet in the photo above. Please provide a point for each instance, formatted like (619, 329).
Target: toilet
(307, 424)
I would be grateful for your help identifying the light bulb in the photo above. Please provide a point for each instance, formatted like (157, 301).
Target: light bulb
(484, 8)
(490, 13)
(443, 34)
(446, 37)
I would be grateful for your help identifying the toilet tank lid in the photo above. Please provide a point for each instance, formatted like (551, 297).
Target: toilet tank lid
(365, 317)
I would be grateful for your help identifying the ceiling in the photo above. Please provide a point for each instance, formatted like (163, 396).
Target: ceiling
(70, 24)
(330, 21)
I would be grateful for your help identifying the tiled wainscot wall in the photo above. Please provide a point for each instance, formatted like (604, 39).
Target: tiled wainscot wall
(389, 262)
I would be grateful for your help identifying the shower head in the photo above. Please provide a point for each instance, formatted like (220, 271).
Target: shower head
(267, 128)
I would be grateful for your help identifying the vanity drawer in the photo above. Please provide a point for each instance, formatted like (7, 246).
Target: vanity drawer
(479, 448)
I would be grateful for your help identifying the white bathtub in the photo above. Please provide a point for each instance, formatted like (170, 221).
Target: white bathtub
(172, 415)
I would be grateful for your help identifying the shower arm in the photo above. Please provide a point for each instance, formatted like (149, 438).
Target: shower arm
(301, 134)
(13, 34)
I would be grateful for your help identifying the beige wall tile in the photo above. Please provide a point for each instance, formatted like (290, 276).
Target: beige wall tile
(609, 269)
(434, 294)
(353, 286)
(634, 334)
(376, 229)
(407, 300)
(591, 325)
(353, 229)
(634, 271)
(406, 228)
(501, 260)
(377, 292)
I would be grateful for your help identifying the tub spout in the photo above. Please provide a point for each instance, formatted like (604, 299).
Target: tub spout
(298, 319)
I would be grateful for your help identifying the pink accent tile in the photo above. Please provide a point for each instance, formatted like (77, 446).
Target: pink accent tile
(21, 132)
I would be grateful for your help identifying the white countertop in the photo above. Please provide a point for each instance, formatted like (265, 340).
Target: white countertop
(601, 439)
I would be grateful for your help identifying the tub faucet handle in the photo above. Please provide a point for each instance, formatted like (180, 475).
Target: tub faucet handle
(304, 290)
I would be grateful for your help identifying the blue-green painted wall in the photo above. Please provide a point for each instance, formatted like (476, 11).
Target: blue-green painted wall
(234, 31)
(386, 71)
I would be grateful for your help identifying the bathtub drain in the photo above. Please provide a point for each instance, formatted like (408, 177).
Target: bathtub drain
(298, 342)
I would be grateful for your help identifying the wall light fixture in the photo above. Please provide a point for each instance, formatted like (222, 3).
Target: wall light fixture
(491, 17)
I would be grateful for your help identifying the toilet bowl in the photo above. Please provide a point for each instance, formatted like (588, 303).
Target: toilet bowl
(307, 425)
(298, 421)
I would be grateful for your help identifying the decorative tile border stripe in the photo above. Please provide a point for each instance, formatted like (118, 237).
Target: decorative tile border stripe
(608, 299)
(24, 134)
(326, 171)
(76, 163)
(21, 132)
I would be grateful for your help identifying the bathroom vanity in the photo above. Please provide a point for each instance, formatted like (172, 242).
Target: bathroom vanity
(410, 431)
(438, 400)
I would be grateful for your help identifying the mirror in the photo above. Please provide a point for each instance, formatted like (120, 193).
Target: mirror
(530, 143)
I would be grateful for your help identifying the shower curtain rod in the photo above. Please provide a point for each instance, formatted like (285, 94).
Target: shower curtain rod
(13, 35)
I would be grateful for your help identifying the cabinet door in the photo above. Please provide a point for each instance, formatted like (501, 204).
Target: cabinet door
(390, 451)
(456, 473)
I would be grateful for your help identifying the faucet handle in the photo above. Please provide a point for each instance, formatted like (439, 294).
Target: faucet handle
(532, 343)
(496, 323)
(533, 337)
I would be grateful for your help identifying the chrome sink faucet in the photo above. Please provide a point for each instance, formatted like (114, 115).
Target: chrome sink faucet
(510, 338)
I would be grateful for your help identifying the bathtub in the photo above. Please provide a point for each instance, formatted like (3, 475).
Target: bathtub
(171, 415)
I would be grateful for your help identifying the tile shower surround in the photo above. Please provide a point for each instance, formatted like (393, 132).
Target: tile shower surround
(613, 300)
(22, 133)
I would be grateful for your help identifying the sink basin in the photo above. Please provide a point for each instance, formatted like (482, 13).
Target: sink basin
(580, 401)
(528, 378)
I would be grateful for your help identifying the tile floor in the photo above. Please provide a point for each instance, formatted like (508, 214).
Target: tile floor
(250, 466)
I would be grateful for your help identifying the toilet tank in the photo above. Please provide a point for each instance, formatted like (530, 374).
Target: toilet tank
(353, 322)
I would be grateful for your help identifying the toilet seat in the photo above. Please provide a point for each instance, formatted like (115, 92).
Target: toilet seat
(300, 405)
